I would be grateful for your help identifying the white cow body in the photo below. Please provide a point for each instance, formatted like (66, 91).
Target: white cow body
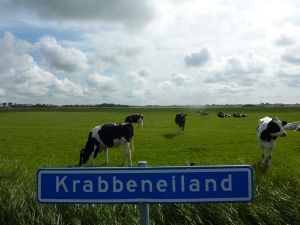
(267, 132)
(292, 126)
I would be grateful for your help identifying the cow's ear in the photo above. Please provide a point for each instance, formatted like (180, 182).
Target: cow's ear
(284, 123)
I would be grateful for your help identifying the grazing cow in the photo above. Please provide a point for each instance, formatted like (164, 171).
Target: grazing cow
(108, 136)
(267, 132)
(223, 115)
(292, 126)
(138, 118)
(180, 121)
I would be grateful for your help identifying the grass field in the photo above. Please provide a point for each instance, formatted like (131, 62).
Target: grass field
(31, 139)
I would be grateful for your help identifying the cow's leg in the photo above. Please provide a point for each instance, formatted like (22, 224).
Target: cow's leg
(96, 151)
(270, 157)
(127, 154)
(140, 124)
(106, 155)
(181, 130)
(263, 156)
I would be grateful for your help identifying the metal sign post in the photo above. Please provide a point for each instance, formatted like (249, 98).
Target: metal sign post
(144, 208)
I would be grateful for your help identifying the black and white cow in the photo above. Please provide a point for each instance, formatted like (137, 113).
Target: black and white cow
(267, 132)
(138, 118)
(223, 115)
(204, 113)
(239, 115)
(108, 136)
(180, 121)
(292, 126)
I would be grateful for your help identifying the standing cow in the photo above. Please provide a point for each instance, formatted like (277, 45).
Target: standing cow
(180, 121)
(138, 118)
(267, 132)
(108, 136)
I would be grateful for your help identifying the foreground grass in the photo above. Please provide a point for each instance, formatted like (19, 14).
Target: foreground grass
(276, 202)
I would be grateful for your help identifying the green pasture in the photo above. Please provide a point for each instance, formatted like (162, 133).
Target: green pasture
(45, 138)
(53, 138)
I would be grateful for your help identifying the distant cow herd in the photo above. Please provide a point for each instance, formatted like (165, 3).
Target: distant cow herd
(114, 135)
(236, 115)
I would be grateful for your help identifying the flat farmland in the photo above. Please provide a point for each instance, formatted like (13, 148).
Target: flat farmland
(53, 138)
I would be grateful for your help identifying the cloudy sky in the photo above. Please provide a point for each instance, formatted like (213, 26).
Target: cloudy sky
(149, 52)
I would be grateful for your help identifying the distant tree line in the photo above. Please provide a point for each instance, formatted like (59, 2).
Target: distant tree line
(38, 105)
(97, 105)
(248, 105)
(17, 105)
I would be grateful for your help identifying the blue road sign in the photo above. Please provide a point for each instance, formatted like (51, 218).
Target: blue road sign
(188, 184)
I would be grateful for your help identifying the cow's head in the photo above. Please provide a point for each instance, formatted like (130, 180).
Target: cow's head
(84, 157)
(275, 127)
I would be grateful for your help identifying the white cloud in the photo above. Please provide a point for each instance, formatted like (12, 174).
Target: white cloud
(181, 79)
(263, 13)
(167, 86)
(99, 83)
(284, 40)
(133, 93)
(244, 69)
(69, 61)
(140, 77)
(292, 56)
(2, 92)
(37, 82)
(199, 58)
(14, 55)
